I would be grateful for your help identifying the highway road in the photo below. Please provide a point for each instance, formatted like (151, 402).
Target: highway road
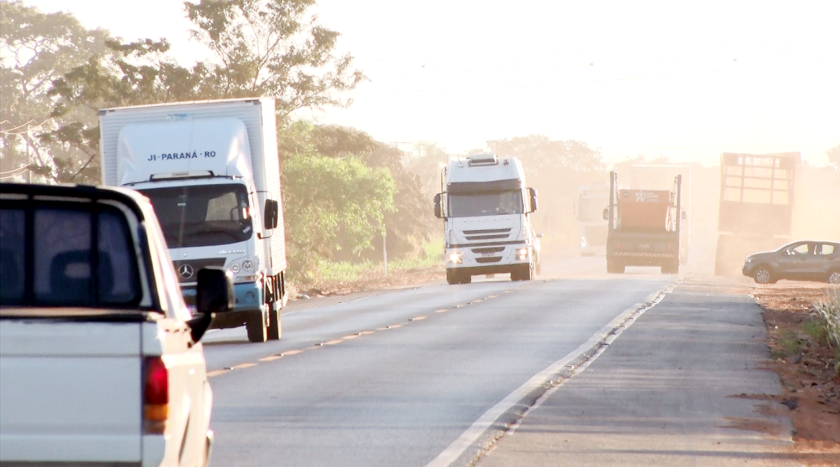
(420, 376)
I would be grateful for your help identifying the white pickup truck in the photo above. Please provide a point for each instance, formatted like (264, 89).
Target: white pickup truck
(100, 360)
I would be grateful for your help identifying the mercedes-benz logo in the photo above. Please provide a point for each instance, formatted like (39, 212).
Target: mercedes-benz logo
(185, 271)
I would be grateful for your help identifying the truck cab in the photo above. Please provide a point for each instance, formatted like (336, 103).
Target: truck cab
(486, 209)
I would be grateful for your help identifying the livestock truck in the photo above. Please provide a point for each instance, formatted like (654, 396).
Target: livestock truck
(592, 228)
(757, 195)
(212, 173)
(644, 227)
(486, 208)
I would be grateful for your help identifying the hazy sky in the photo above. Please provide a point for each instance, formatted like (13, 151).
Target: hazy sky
(687, 80)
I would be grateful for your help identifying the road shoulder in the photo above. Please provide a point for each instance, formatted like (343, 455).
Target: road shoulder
(687, 384)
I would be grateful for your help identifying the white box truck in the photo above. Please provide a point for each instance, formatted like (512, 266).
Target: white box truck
(212, 172)
(486, 206)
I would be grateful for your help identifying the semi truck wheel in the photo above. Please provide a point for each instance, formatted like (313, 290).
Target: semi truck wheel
(275, 325)
(256, 327)
(465, 279)
(672, 267)
(614, 267)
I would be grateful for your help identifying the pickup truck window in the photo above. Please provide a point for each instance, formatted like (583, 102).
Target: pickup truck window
(59, 266)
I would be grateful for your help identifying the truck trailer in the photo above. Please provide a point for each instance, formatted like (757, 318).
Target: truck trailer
(757, 195)
(486, 209)
(644, 227)
(212, 173)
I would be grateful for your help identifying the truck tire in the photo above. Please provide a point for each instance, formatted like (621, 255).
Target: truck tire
(256, 327)
(672, 267)
(522, 273)
(465, 278)
(275, 324)
(615, 267)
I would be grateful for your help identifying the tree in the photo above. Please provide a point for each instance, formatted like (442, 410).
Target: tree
(834, 155)
(325, 196)
(35, 49)
(273, 48)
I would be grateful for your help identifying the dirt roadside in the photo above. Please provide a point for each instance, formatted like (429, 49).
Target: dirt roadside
(811, 387)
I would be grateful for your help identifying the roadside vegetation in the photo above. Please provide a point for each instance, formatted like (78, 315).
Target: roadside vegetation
(827, 315)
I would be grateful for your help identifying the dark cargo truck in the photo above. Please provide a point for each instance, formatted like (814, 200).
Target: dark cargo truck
(644, 227)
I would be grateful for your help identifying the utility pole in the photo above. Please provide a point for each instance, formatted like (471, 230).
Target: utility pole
(385, 250)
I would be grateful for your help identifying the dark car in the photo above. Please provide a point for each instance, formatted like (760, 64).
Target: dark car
(806, 260)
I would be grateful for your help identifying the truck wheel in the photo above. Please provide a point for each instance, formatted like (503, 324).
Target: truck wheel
(275, 325)
(834, 277)
(762, 275)
(465, 279)
(256, 327)
(528, 272)
(614, 267)
(670, 268)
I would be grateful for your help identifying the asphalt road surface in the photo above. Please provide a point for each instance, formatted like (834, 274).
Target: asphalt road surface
(421, 376)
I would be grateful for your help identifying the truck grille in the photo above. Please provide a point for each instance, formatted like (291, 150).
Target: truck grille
(479, 251)
(489, 259)
(187, 270)
(490, 234)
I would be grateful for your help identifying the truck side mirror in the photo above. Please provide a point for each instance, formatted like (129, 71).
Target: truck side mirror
(214, 293)
(272, 214)
(606, 214)
(438, 210)
(533, 193)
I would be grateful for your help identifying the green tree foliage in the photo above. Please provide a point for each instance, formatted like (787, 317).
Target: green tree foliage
(269, 48)
(555, 168)
(327, 198)
(35, 49)
(411, 220)
(272, 48)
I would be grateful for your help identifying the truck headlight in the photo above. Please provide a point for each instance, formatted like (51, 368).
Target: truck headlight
(247, 266)
(234, 268)
(456, 258)
(522, 253)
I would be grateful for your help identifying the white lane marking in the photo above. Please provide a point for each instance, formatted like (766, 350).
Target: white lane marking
(460, 445)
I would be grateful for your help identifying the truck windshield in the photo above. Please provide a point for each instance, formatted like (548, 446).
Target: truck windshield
(202, 215)
(486, 204)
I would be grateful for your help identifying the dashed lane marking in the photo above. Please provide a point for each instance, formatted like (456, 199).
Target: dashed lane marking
(333, 342)
(418, 318)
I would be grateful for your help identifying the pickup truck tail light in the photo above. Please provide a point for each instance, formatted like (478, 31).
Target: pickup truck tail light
(155, 396)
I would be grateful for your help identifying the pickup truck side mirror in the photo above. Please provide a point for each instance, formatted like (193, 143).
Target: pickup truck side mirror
(606, 214)
(214, 293)
(438, 210)
(272, 213)
(533, 193)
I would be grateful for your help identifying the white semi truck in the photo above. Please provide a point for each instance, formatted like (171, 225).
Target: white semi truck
(212, 172)
(486, 207)
(592, 228)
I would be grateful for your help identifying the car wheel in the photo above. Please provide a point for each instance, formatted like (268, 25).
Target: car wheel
(762, 275)
(834, 277)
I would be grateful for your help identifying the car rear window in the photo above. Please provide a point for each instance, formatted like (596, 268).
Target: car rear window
(62, 256)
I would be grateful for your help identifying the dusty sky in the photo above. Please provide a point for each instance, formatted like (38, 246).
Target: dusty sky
(687, 80)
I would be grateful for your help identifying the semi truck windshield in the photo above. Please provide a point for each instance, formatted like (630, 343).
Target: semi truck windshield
(202, 215)
(486, 204)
